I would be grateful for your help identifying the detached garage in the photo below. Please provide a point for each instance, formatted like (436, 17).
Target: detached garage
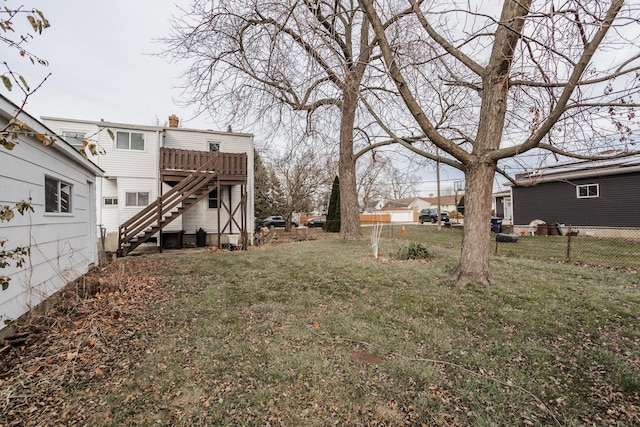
(61, 232)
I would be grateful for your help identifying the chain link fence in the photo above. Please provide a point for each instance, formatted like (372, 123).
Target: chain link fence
(601, 246)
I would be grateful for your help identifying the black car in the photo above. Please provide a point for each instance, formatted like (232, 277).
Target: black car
(315, 222)
(272, 222)
(431, 215)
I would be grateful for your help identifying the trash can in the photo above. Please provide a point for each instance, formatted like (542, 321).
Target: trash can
(496, 224)
(201, 238)
(233, 241)
(542, 230)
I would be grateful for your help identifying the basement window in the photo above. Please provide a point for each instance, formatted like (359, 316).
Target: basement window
(213, 199)
(588, 191)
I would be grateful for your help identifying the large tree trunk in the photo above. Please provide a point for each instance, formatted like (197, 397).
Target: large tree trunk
(474, 259)
(349, 209)
(480, 171)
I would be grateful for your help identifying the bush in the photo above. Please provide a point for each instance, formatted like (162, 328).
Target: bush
(413, 251)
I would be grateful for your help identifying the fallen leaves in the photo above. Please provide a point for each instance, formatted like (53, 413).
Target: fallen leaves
(50, 354)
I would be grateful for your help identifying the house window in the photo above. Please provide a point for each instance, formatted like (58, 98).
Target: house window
(130, 141)
(57, 196)
(110, 201)
(588, 191)
(213, 199)
(74, 138)
(214, 146)
(137, 199)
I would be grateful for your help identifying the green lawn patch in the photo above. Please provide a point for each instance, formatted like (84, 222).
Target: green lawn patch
(318, 333)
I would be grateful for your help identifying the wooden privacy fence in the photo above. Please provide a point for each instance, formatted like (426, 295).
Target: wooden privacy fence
(375, 218)
(364, 218)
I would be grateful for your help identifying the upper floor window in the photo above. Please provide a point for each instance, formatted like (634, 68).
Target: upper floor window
(57, 195)
(214, 146)
(137, 199)
(74, 138)
(130, 141)
(588, 191)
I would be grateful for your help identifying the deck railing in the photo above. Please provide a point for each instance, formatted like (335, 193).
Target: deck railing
(225, 164)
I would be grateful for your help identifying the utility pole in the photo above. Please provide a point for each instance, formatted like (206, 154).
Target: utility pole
(457, 186)
(438, 185)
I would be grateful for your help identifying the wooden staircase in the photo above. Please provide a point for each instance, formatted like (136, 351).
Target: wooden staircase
(167, 208)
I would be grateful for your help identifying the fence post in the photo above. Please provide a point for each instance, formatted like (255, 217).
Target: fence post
(569, 243)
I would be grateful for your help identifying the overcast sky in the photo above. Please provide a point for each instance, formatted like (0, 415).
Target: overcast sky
(102, 67)
(101, 62)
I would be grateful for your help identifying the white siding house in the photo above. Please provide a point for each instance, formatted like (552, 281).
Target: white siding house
(60, 185)
(132, 172)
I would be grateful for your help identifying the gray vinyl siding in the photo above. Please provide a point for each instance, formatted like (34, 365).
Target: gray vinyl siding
(63, 245)
(618, 204)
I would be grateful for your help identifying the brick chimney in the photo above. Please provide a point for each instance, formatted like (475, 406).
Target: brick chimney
(173, 121)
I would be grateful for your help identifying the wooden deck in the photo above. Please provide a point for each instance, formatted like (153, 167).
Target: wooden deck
(176, 164)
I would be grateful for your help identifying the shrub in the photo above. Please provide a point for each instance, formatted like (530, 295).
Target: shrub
(413, 251)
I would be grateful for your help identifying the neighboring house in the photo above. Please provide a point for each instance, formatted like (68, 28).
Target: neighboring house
(404, 210)
(60, 185)
(408, 209)
(589, 193)
(168, 178)
(447, 203)
(398, 214)
(414, 203)
(502, 206)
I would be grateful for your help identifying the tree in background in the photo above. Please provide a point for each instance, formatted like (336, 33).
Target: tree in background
(261, 190)
(486, 86)
(379, 178)
(273, 58)
(300, 173)
(333, 213)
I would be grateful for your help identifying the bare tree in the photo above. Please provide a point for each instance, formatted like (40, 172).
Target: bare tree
(271, 58)
(370, 173)
(488, 85)
(301, 177)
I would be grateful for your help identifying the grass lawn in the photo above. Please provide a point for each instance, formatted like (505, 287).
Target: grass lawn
(318, 333)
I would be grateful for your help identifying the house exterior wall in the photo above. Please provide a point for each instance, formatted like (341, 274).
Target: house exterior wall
(618, 204)
(63, 245)
(138, 171)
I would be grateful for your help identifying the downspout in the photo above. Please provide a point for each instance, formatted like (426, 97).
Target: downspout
(159, 144)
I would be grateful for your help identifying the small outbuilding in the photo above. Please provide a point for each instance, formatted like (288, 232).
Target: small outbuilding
(61, 232)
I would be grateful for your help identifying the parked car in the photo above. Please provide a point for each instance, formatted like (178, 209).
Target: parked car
(274, 221)
(431, 215)
(315, 222)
